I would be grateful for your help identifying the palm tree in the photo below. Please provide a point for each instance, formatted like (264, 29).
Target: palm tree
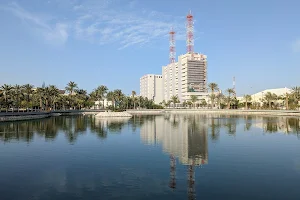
(133, 93)
(141, 101)
(53, 95)
(213, 87)
(103, 91)
(99, 93)
(6, 90)
(28, 91)
(118, 96)
(219, 98)
(194, 99)
(229, 91)
(40, 95)
(175, 100)
(296, 94)
(269, 97)
(17, 90)
(247, 98)
(71, 87)
(110, 97)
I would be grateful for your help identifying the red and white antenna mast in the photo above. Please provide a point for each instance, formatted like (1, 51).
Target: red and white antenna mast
(190, 33)
(172, 46)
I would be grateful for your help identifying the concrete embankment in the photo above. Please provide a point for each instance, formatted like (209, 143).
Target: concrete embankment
(146, 112)
(113, 114)
(4, 117)
(17, 116)
(237, 112)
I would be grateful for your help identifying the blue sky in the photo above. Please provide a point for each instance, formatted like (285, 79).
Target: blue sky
(115, 42)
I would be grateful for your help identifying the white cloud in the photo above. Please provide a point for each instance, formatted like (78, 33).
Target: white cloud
(296, 45)
(56, 33)
(102, 22)
(132, 4)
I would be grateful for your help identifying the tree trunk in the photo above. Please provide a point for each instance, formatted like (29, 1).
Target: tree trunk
(270, 105)
(246, 105)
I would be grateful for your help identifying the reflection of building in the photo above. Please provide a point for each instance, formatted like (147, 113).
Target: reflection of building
(186, 77)
(184, 137)
(151, 86)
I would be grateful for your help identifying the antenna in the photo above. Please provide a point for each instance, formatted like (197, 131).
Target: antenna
(172, 53)
(190, 33)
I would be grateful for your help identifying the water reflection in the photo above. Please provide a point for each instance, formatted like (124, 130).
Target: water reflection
(183, 137)
(106, 170)
(167, 130)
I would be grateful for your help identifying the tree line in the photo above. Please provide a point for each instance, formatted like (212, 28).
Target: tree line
(228, 100)
(27, 97)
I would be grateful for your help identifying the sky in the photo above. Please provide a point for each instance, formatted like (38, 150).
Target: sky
(115, 42)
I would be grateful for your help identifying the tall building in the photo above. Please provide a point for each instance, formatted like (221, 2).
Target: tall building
(186, 77)
(151, 86)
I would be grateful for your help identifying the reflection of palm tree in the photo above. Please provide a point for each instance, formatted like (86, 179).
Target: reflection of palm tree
(270, 126)
(248, 122)
(215, 130)
(98, 128)
(115, 126)
(231, 125)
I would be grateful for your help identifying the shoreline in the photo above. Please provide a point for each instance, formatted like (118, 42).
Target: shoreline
(19, 116)
(293, 113)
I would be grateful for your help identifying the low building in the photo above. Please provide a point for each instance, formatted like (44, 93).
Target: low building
(99, 104)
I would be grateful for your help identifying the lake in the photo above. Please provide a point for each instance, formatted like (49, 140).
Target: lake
(151, 157)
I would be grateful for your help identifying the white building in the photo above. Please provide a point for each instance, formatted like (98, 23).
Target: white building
(186, 77)
(151, 86)
(257, 97)
(99, 104)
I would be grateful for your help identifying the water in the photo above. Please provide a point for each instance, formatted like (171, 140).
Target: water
(151, 157)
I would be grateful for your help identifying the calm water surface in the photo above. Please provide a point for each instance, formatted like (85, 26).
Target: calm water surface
(151, 157)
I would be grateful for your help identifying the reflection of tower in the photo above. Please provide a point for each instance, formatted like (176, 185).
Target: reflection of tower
(172, 183)
(191, 182)
(183, 137)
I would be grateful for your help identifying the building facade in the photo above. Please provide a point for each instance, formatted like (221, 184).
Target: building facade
(186, 77)
(151, 87)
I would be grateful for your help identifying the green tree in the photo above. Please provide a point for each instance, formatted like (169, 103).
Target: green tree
(17, 92)
(28, 92)
(174, 100)
(39, 93)
(296, 95)
(213, 87)
(102, 89)
(270, 97)
(133, 93)
(230, 91)
(247, 99)
(6, 91)
(71, 87)
(111, 97)
(194, 99)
